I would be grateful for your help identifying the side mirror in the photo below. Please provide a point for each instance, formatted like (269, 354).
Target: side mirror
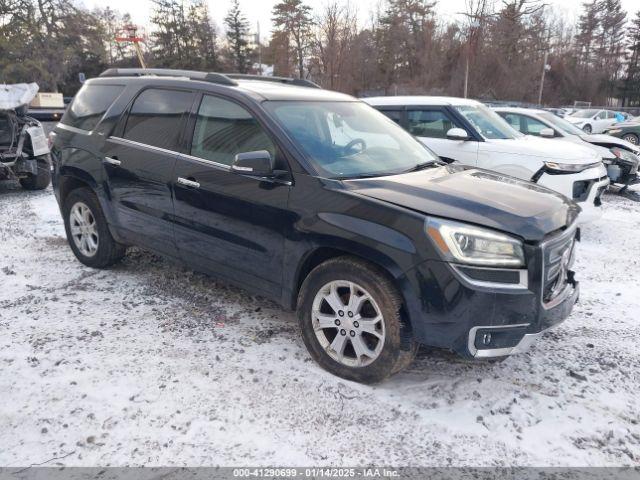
(547, 133)
(257, 164)
(457, 134)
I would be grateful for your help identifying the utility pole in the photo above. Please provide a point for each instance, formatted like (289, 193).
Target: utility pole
(259, 50)
(545, 67)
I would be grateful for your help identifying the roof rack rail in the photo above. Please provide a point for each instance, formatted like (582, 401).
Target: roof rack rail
(218, 78)
(299, 82)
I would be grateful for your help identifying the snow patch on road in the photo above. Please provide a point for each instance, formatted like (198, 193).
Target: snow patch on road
(149, 363)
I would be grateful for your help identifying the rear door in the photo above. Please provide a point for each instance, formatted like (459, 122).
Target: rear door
(226, 223)
(139, 161)
(431, 125)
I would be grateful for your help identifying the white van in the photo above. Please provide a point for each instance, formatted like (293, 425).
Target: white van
(468, 132)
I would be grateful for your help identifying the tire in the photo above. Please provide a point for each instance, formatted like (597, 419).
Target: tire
(587, 129)
(631, 138)
(377, 296)
(42, 179)
(100, 250)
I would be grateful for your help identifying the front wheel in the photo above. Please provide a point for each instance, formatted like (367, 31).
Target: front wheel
(41, 179)
(631, 138)
(87, 230)
(349, 315)
(587, 129)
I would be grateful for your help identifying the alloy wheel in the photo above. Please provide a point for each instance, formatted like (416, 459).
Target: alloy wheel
(348, 323)
(631, 139)
(84, 229)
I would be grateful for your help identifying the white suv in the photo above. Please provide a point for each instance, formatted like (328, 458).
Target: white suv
(468, 132)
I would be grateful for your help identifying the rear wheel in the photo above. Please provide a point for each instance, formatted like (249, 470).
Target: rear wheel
(349, 314)
(42, 179)
(87, 230)
(631, 138)
(587, 129)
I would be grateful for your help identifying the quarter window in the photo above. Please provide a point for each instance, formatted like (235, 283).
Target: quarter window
(429, 123)
(224, 129)
(156, 117)
(89, 105)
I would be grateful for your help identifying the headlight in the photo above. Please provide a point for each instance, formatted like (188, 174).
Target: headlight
(623, 154)
(463, 243)
(570, 167)
(614, 130)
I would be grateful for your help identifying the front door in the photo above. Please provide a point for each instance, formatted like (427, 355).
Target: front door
(139, 162)
(229, 224)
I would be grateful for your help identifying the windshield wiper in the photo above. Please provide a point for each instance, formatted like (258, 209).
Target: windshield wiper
(422, 166)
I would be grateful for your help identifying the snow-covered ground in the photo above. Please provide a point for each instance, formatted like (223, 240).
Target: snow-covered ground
(149, 363)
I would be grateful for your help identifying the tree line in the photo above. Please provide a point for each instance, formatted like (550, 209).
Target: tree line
(494, 50)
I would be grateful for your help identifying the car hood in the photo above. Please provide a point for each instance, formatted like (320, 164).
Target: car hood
(474, 196)
(626, 124)
(544, 148)
(610, 141)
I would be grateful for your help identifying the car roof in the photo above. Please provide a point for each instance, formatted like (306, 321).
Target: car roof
(523, 111)
(255, 88)
(419, 100)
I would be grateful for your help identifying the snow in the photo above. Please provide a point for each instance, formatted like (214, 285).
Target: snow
(149, 363)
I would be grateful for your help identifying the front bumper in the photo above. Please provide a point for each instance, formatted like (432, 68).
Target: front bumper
(479, 317)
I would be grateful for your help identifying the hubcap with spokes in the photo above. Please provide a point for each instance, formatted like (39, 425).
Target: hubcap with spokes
(631, 138)
(348, 323)
(84, 229)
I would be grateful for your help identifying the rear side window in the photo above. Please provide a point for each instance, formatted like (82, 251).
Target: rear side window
(156, 117)
(89, 105)
(429, 123)
(224, 129)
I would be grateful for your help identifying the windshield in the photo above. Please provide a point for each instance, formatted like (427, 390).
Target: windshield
(350, 139)
(488, 123)
(584, 113)
(561, 124)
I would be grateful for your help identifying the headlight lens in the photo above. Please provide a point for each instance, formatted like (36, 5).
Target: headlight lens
(463, 243)
(570, 167)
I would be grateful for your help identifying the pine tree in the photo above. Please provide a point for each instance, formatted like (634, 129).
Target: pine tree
(203, 36)
(293, 18)
(237, 33)
(631, 89)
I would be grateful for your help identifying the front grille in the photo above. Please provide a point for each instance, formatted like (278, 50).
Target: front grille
(558, 259)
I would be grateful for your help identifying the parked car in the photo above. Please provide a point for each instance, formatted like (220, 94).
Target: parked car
(560, 112)
(24, 153)
(317, 201)
(628, 130)
(466, 131)
(593, 120)
(620, 157)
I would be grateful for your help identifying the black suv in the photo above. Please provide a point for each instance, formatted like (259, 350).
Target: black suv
(316, 200)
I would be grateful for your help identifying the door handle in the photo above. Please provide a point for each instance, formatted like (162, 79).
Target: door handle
(112, 161)
(188, 183)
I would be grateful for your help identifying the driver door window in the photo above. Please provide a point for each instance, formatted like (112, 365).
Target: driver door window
(601, 116)
(224, 129)
(429, 123)
(533, 126)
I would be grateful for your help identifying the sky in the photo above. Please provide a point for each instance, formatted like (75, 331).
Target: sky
(260, 10)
